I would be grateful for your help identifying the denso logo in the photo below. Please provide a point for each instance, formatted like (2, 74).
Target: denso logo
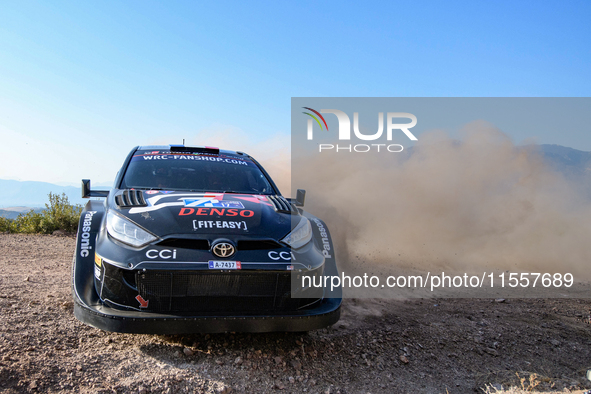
(216, 211)
(164, 254)
(345, 130)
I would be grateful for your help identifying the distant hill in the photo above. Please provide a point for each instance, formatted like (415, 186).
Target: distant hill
(574, 164)
(34, 194)
(13, 212)
(567, 160)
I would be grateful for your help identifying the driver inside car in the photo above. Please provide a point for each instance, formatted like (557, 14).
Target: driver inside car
(161, 178)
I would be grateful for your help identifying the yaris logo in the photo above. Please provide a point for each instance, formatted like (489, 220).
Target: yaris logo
(345, 130)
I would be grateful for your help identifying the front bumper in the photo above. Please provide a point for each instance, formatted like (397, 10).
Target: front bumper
(89, 309)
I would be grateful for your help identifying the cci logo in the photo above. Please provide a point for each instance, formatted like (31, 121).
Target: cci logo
(163, 254)
(345, 129)
(287, 256)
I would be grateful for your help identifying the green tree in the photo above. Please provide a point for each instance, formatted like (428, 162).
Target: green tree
(5, 225)
(59, 214)
(29, 222)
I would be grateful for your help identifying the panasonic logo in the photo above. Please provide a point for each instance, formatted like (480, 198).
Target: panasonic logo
(85, 236)
(324, 236)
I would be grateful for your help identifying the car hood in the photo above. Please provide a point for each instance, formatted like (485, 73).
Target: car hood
(210, 214)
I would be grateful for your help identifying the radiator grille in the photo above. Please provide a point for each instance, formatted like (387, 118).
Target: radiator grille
(196, 291)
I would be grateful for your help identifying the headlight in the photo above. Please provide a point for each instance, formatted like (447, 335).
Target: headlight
(300, 235)
(125, 231)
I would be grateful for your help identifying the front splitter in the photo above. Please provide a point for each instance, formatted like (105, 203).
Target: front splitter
(109, 319)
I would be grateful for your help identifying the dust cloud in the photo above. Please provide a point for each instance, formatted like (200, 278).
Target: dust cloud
(470, 204)
(475, 203)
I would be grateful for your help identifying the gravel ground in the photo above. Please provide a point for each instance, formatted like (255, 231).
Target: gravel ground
(414, 346)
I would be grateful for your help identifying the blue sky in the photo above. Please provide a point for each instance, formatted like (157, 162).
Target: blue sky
(81, 83)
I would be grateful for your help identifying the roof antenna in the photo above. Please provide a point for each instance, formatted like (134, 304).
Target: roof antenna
(183, 142)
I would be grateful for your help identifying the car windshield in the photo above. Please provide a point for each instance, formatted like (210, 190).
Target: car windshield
(195, 172)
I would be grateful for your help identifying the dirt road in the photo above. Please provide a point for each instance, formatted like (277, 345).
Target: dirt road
(415, 346)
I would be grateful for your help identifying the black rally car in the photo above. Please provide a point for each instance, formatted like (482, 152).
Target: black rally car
(195, 239)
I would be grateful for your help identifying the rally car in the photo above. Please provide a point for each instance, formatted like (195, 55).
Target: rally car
(198, 239)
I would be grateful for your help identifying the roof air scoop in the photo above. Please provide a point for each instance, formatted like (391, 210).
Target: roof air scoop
(195, 149)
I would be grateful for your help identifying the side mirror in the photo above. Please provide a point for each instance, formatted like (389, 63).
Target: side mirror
(300, 198)
(87, 193)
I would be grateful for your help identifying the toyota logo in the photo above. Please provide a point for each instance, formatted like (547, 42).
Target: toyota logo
(223, 249)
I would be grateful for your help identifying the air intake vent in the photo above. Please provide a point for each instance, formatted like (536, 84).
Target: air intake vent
(263, 244)
(282, 205)
(184, 243)
(130, 198)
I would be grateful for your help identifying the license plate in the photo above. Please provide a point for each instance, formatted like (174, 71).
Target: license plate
(224, 265)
